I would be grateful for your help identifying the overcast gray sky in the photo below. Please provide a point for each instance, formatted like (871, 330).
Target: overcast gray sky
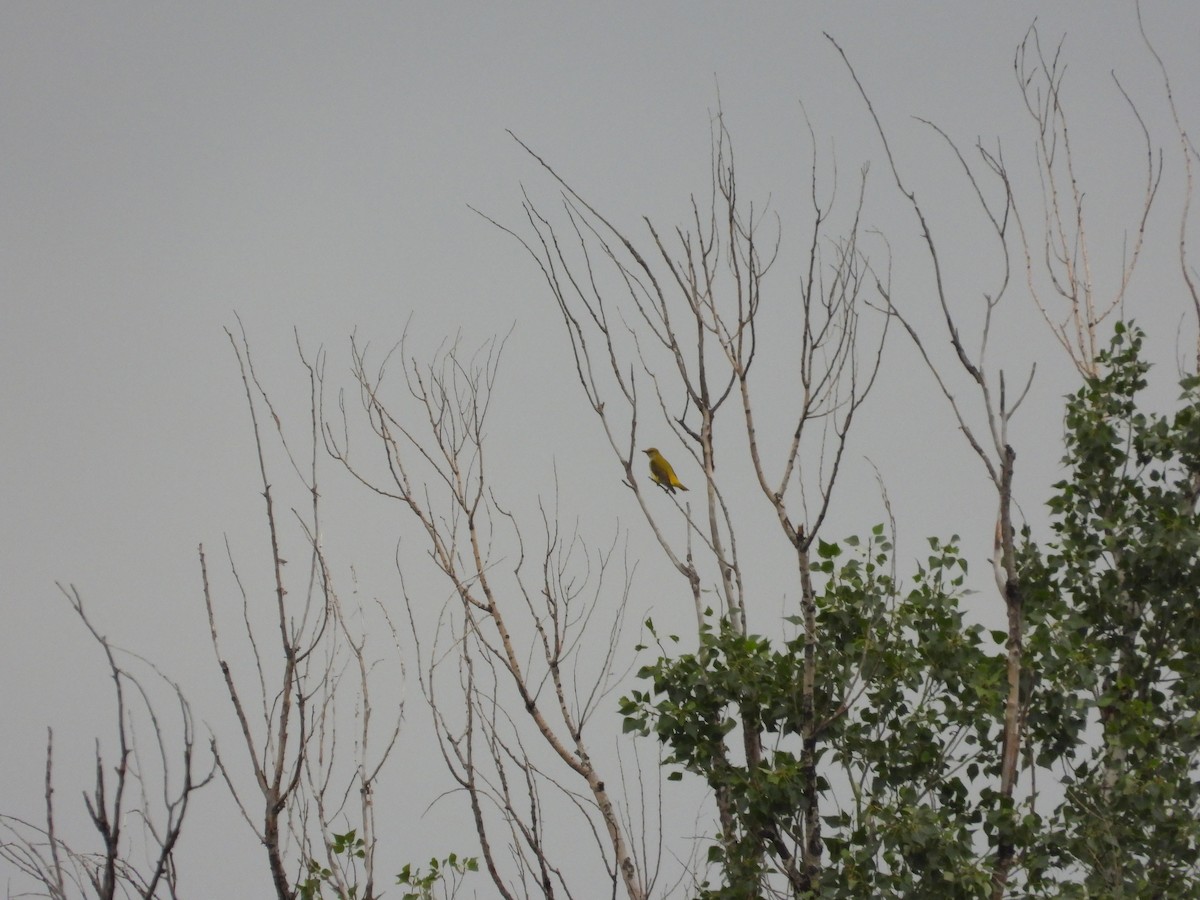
(310, 166)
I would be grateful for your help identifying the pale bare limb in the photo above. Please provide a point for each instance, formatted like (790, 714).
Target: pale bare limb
(517, 636)
(1063, 253)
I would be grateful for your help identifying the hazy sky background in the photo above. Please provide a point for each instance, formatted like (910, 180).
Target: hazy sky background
(310, 166)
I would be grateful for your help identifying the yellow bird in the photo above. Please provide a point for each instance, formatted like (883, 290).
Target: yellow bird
(661, 472)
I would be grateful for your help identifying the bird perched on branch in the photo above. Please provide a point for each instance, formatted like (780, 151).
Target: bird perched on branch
(661, 472)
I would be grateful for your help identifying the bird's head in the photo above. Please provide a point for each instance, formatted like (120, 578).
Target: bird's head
(653, 451)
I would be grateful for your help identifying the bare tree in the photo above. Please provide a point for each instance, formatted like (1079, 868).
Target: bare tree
(514, 634)
(317, 813)
(137, 807)
(668, 334)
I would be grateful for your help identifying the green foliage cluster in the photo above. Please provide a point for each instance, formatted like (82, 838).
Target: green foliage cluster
(443, 878)
(349, 845)
(1115, 638)
(447, 873)
(909, 698)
